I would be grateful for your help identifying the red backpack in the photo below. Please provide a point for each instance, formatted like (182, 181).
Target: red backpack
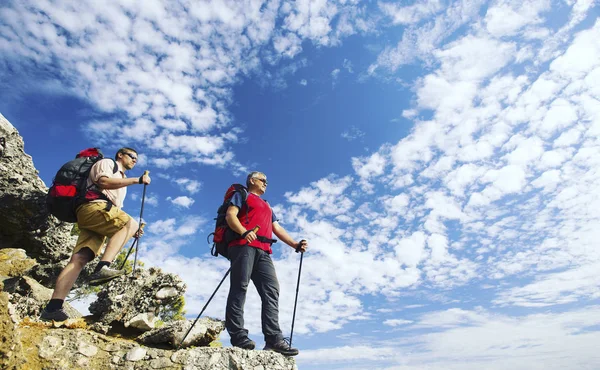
(68, 190)
(223, 234)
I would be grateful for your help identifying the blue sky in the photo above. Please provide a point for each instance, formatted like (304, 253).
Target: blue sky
(440, 158)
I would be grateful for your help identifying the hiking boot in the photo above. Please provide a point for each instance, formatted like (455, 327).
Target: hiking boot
(282, 346)
(246, 344)
(58, 315)
(105, 275)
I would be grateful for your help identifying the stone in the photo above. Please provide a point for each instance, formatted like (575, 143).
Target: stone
(144, 321)
(11, 354)
(30, 228)
(167, 292)
(160, 363)
(126, 297)
(205, 331)
(15, 263)
(135, 354)
(87, 349)
(49, 346)
(30, 297)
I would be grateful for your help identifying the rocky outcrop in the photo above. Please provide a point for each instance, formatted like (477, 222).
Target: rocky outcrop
(26, 295)
(137, 300)
(11, 350)
(24, 220)
(202, 333)
(27, 343)
(76, 349)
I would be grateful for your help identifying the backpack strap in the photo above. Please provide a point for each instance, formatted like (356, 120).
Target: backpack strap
(116, 166)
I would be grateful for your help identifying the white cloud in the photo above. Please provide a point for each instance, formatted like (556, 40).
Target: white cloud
(182, 201)
(505, 18)
(352, 133)
(476, 339)
(189, 185)
(413, 13)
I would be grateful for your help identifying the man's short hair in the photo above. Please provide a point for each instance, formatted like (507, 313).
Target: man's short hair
(251, 175)
(125, 150)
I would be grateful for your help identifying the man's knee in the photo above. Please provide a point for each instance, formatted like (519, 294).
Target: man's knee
(132, 226)
(82, 257)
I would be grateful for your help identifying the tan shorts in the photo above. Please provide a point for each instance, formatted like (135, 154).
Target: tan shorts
(95, 224)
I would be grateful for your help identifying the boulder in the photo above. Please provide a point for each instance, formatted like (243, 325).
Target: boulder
(134, 300)
(26, 295)
(29, 297)
(14, 262)
(24, 219)
(204, 331)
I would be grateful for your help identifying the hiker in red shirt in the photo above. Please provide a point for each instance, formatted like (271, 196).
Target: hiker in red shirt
(251, 260)
(97, 219)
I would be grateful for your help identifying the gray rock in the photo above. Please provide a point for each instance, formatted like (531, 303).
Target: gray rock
(50, 346)
(136, 354)
(87, 349)
(29, 297)
(160, 363)
(123, 299)
(167, 292)
(24, 220)
(144, 321)
(205, 331)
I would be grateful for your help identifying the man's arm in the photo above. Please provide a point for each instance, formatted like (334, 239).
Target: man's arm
(286, 238)
(111, 183)
(235, 224)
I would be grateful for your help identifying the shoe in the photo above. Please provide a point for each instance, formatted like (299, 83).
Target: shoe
(58, 315)
(282, 346)
(105, 275)
(246, 344)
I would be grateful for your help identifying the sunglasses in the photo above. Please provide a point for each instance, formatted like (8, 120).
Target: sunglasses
(264, 181)
(131, 156)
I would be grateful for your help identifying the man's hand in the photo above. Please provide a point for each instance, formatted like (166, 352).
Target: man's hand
(138, 234)
(302, 246)
(145, 178)
(250, 235)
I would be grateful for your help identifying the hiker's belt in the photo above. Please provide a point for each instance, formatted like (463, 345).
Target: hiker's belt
(263, 239)
(109, 204)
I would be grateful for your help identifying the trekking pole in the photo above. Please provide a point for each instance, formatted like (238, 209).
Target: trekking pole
(140, 223)
(203, 308)
(135, 241)
(255, 229)
(297, 288)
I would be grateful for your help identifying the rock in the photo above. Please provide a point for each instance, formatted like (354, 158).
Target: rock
(167, 292)
(24, 220)
(126, 297)
(160, 363)
(136, 354)
(11, 356)
(14, 263)
(144, 321)
(87, 349)
(50, 346)
(29, 297)
(205, 331)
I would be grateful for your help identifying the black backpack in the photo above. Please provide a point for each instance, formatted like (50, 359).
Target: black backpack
(68, 190)
(223, 235)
